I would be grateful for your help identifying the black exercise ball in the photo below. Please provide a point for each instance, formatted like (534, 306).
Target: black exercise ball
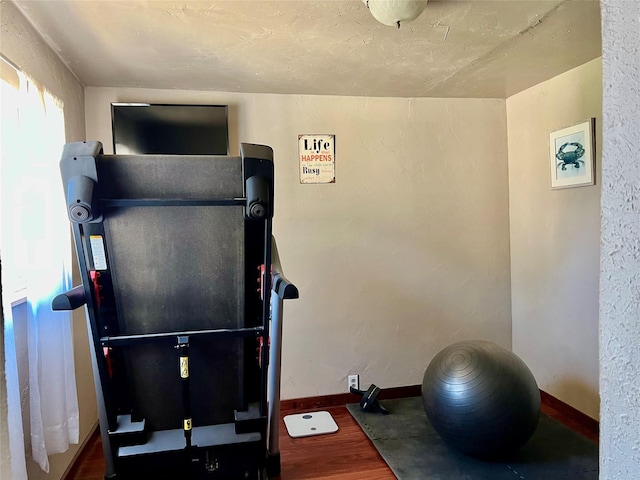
(481, 398)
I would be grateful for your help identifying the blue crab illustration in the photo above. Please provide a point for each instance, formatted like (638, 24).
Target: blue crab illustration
(571, 157)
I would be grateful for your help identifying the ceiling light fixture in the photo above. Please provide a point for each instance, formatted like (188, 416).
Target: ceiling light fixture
(394, 12)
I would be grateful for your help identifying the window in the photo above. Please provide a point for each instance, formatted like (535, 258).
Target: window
(35, 248)
(32, 134)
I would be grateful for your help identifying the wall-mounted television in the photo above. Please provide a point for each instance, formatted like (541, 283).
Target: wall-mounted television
(145, 128)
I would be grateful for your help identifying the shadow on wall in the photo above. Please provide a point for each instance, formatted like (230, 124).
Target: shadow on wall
(579, 395)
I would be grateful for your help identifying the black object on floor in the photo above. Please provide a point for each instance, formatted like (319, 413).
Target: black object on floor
(369, 402)
(414, 451)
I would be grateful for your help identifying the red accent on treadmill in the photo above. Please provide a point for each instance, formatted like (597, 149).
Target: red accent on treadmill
(107, 356)
(96, 286)
(259, 351)
(261, 280)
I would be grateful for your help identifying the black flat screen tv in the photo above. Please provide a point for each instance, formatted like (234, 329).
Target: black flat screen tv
(143, 128)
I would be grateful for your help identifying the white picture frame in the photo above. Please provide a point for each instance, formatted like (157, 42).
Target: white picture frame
(571, 156)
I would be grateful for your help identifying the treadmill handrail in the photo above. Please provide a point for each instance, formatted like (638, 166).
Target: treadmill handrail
(280, 285)
(69, 300)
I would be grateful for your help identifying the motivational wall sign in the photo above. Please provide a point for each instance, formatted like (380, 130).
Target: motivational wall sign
(317, 158)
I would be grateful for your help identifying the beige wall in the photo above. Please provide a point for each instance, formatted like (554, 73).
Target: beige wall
(22, 45)
(555, 240)
(407, 252)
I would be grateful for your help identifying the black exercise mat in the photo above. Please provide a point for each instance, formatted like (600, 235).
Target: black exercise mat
(413, 450)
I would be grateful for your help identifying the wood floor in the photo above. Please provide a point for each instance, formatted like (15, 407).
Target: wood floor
(345, 455)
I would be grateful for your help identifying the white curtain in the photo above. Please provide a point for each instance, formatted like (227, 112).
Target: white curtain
(36, 255)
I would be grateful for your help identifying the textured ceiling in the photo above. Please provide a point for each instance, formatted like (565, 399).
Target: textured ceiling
(454, 49)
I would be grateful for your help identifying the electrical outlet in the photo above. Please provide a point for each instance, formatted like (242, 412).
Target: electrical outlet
(353, 381)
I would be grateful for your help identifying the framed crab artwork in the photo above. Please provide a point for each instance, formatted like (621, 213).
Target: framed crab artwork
(571, 152)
